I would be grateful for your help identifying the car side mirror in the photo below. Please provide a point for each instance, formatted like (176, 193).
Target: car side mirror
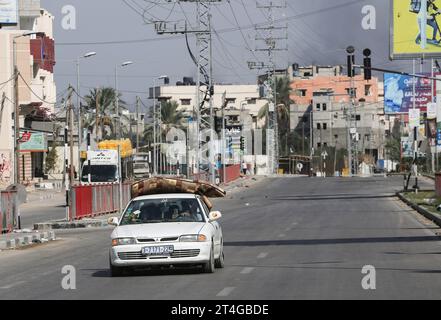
(215, 215)
(113, 221)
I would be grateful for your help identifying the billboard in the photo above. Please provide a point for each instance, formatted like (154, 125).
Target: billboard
(406, 147)
(406, 18)
(399, 97)
(9, 12)
(33, 141)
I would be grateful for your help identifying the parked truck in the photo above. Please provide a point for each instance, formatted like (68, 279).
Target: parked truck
(104, 163)
(141, 166)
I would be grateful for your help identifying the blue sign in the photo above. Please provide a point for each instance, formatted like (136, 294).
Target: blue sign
(399, 96)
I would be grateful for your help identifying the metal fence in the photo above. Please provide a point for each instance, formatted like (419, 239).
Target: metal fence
(94, 200)
(8, 211)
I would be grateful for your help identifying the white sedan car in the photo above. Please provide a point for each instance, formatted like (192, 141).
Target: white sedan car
(167, 230)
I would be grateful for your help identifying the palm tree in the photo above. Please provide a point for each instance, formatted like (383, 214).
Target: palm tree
(106, 112)
(171, 118)
(170, 115)
(284, 90)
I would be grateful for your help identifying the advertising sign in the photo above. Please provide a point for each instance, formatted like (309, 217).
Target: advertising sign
(406, 147)
(399, 96)
(414, 118)
(33, 142)
(5, 166)
(9, 12)
(405, 38)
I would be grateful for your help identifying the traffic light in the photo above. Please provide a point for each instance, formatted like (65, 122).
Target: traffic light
(242, 143)
(367, 64)
(351, 61)
(218, 124)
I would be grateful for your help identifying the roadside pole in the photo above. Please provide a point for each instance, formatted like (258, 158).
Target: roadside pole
(224, 145)
(66, 163)
(137, 125)
(71, 153)
(89, 165)
(120, 195)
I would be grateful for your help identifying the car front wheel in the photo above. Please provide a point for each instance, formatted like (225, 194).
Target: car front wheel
(220, 263)
(116, 271)
(209, 267)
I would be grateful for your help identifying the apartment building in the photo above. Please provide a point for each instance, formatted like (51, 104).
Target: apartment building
(35, 60)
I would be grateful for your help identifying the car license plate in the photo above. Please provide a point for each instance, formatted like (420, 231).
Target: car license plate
(158, 251)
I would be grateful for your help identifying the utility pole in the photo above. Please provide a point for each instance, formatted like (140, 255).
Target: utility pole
(137, 124)
(71, 142)
(351, 117)
(16, 128)
(97, 114)
(203, 109)
(268, 35)
(68, 126)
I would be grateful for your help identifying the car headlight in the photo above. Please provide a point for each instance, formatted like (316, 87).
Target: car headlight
(193, 238)
(123, 241)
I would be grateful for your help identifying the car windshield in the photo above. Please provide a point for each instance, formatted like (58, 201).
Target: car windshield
(102, 173)
(163, 211)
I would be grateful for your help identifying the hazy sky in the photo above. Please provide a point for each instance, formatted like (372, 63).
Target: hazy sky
(319, 30)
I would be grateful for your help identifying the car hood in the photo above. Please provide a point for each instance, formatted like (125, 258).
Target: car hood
(158, 230)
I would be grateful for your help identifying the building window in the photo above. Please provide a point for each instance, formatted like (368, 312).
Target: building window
(318, 106)
(319, 145)
(367, 90)
(325, 144)
(319, 126)
(325, 126)
(303, 93)
(186, 102)
(358, 117)
(325, 107)
(231, 100)
(350, 90)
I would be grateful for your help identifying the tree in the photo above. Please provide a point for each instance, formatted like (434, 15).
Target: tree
(106, 113)
(171, 118)
(51, 159)
(284, 91)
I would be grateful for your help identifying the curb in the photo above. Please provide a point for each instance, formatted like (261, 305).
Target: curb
(70, 225)
(427, 214)
(429, 177)
(20, 240)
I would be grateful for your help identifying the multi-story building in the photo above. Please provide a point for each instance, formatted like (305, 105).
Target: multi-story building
(35, 59)
(321, 97)
(238, 97)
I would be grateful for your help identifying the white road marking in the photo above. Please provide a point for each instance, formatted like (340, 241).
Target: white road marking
(288, 229)
(294, 223)
(282, 235)
(226, 292)
(247, 270)
(263, 255)
(12, 285)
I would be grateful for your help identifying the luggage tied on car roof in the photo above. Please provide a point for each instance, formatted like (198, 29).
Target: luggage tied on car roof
(159, 185)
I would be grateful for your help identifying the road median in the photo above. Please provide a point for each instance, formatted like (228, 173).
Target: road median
(424, 202)
(22, 239)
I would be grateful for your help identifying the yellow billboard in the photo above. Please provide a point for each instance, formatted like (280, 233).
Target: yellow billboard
(406, 38)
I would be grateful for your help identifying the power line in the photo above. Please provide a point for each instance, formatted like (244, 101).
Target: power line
(29, 87)
(225, 30)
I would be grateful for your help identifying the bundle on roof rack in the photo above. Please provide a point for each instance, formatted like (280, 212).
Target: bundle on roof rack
(159, 185)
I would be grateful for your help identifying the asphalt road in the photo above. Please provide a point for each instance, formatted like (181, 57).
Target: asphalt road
(291, 238)
(43, 206)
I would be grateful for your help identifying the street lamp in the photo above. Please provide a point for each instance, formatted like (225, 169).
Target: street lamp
(124, 64)
(155, 155)
(80, 119)
(17, 104)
